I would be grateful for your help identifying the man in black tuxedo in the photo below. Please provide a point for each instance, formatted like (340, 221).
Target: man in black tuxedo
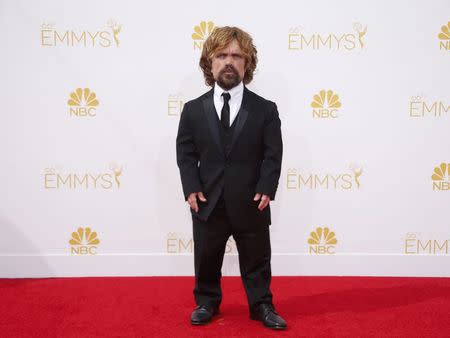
(229, 152)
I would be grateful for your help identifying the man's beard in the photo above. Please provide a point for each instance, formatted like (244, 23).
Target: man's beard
(228, 81)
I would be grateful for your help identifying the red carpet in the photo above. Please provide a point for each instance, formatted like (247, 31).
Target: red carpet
(161, 306)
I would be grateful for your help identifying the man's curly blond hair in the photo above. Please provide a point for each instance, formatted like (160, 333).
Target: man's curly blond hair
(219, 39)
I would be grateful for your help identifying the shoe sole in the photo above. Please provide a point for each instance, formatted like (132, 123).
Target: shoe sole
(209, 321)
(200, 323)
(270, 327)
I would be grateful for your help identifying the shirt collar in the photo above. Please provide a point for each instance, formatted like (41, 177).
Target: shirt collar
(234, 92)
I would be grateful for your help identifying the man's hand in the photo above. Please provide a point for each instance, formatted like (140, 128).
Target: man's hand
(192, 200)
(265, 199)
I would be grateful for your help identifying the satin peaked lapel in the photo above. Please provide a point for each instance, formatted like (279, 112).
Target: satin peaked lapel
(211, 116)
(241, 118)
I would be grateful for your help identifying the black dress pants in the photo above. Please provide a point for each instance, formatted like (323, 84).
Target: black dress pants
(254, 250)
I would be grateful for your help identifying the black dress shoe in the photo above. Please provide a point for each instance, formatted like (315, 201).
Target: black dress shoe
(266, 313)
(202, 315)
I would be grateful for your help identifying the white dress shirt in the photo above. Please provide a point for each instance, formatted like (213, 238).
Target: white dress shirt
(235, 102)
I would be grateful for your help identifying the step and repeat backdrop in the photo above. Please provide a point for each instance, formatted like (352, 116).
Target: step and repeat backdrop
(92, 93)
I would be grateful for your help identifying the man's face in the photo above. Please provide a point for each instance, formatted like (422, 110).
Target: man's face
(228, 66)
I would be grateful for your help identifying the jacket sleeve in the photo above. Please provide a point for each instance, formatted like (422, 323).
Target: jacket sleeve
(273, 153)
(187, 155)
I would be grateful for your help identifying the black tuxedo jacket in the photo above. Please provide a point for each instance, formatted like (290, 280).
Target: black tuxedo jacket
(252, 164)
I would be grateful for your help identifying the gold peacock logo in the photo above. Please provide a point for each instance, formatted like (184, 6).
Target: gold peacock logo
(441, 177)
(84, 241)
(201, 32)
(83, 103)
(326, 99)
(441, 171)
(322, 241)
(84, 236)
(444, 37)
(445, 32)
(83, 97)
(326, 104)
